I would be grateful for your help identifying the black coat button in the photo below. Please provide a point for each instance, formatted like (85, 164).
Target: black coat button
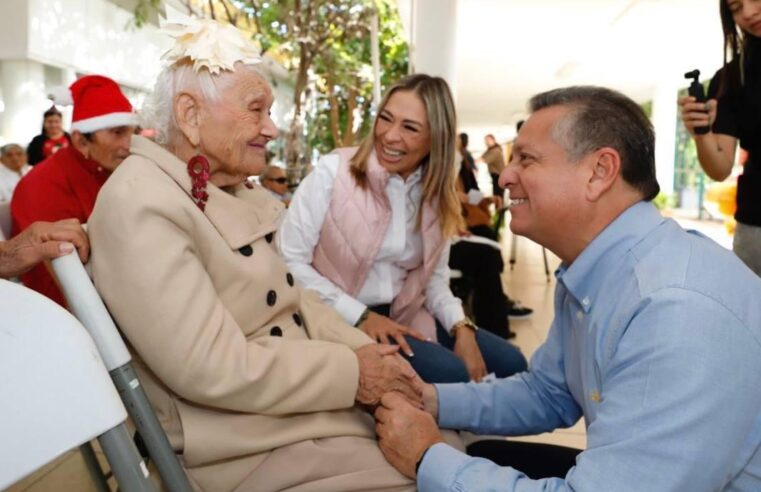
(275, 331)
(289, 279)
(297, 319)
(269, 237)
(271, 298)
(246, 250)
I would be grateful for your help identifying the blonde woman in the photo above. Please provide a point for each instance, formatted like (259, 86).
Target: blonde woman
(369, 230)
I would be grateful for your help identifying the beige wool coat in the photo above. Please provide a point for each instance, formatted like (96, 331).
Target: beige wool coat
(236, 358)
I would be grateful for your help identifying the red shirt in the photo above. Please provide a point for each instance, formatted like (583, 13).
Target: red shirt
(63, 186)
(53, 145)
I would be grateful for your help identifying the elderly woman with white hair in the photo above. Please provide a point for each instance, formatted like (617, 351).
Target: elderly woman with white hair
(258, 385)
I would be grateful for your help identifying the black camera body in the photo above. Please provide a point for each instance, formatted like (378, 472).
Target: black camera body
(696, 90)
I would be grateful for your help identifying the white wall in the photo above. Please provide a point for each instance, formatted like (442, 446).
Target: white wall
(90, 36)
(433, 32)
(45, 43)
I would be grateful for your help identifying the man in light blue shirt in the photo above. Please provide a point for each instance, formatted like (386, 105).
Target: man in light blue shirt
(656, 340)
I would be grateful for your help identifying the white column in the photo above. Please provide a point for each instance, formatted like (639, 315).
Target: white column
(665, 114)
(23, 90)
(434, 38)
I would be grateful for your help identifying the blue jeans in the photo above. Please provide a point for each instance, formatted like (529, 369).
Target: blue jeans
(436, 363)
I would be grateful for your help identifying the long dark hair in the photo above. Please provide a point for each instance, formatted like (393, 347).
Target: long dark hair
(741, 52)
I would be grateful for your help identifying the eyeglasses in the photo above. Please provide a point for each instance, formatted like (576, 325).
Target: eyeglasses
(281, 181)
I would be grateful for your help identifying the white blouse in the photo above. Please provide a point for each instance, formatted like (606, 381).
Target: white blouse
(8, 181)
(400, 251)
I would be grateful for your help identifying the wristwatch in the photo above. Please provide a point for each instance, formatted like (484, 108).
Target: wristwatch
(464, 322)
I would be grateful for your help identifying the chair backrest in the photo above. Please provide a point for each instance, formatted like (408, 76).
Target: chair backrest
(56, 392)
(5, 220)
(88, 307)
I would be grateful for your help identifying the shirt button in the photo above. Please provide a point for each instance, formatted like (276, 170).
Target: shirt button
(275, 331)
(297, 319)
(579, 315)
(246, 250)
(289, 279)
(269, 237)
(271, 298)
(585, 301)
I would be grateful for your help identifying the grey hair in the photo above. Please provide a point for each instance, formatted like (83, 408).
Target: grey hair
(601, 117)
(8, 147)
(157, 112)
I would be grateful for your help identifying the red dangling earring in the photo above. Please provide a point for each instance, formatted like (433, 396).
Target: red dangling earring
(198, 169)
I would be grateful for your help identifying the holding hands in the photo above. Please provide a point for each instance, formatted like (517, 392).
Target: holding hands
(381, 370)
(404, 432)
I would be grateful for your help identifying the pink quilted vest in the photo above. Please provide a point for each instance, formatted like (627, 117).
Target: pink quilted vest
(353, 231)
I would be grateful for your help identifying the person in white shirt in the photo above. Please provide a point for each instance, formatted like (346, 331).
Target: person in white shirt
(369, 229)
(14, 167)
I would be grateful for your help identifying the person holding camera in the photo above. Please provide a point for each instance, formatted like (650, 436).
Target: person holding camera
(732, 113)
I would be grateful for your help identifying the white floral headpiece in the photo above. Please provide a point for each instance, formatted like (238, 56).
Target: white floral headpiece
(208, 44)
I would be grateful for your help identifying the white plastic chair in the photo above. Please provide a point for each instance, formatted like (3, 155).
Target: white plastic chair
(56, 392)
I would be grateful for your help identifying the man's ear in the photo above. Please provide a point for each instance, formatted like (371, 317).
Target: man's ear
(187, 113)
(80, 143)
(606, 168)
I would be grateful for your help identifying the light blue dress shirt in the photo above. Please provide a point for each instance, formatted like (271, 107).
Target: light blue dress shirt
(656, 342)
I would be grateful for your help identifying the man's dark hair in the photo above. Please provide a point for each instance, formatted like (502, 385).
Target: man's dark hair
(601, 117)
(464, 140)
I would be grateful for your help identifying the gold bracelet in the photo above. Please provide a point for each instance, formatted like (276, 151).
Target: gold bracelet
(464, 322)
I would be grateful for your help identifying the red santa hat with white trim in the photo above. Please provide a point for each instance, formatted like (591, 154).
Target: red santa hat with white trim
(98, 104)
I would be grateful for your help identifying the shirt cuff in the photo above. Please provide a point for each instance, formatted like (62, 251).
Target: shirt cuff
(439, 468)
(451, 314)
(453, 405)
(349, 308)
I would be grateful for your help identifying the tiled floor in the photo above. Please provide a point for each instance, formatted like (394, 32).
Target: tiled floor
(526, 281)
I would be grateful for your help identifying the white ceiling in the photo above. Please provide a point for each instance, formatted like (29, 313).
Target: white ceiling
(508, 50)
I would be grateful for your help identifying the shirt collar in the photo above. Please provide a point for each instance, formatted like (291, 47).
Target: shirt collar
(239, 214)
(620, 236)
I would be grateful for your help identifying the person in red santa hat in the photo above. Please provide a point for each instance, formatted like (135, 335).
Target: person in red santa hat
(66, 184)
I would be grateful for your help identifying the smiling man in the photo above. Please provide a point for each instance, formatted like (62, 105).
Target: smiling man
(656, 340)
(67, 183)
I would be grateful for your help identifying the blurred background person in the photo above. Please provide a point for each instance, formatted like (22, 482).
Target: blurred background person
(495, 161)
(67, 184)
(275, 180)
(733, 113)
(52, 139)
(467, 169)
(14, 167)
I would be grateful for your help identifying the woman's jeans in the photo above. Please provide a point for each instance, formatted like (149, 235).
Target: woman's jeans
(437, 363)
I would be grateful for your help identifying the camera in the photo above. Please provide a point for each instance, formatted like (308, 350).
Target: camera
(696, 91)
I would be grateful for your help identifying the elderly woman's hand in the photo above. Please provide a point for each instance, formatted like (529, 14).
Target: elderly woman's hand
(382, 370)
(384, 330)
(42, 241)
